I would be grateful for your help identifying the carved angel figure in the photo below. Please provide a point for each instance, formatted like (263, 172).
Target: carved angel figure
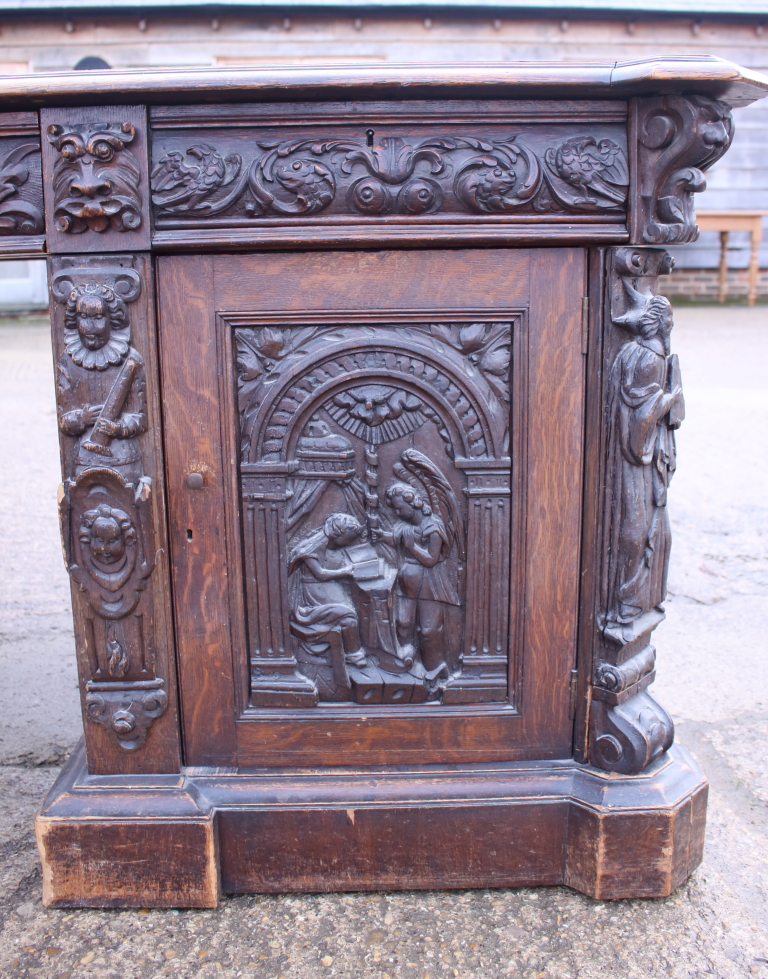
(101, 384)
(427, 528)
(646, 406)
(322, 609)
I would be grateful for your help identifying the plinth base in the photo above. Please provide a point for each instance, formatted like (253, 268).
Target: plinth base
(181, 840)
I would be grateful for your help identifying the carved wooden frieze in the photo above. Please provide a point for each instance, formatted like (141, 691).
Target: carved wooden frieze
(95, 165)
(21, 184)
(107, 495)
(261, 178)
(375, 479)
(644, 407)
(675, 138)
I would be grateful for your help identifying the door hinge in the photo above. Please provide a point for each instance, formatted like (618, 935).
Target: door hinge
(573, 689)
(585, 325)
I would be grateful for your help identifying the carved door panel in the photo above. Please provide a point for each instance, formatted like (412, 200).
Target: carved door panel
(374, 472)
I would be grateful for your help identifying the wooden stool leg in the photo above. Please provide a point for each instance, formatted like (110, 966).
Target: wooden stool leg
(723, 291)
(754, 260)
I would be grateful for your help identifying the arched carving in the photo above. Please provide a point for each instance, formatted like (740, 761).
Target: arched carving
(375, 483)
(454, 385)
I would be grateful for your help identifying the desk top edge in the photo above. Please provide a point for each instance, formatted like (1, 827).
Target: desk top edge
(710, 76)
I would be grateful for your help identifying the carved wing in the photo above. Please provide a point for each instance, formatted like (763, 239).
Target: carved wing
(177, 185)
(415, 465)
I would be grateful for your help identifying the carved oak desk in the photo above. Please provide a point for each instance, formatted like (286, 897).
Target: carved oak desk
(367, 412)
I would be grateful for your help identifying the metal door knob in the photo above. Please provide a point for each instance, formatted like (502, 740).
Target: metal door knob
(195, 481)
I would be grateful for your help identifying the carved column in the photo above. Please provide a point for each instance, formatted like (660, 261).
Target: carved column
(111, 498)
(643, 406)
(483, 677)
(275, 680)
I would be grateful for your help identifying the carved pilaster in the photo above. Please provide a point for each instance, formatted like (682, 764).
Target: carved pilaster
(110, 502)
(643, 407)
(483, 677)
(275, 680)
(95, 170)
(674, 138)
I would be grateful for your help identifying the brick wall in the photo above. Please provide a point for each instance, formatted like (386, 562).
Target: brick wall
(702, 285)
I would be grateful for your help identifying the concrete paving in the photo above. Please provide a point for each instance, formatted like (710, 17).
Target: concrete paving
(712, 675)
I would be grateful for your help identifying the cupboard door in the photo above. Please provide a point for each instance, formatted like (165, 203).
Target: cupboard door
(374, 472)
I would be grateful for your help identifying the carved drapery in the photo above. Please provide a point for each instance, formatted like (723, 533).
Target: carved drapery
(676, 138)
(375, 482)
(106, 495)
(644, 406)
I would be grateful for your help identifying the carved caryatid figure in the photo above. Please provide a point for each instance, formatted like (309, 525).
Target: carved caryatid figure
(646, 406)
(322, 610)
(101, 383)
(427, 527)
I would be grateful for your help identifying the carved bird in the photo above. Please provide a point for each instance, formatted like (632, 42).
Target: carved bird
(178, 186)
(598, 170)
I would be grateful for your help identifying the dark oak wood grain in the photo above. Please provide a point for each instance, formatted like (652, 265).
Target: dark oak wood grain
(368, 537)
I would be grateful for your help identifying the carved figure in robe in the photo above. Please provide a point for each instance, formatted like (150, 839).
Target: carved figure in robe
(424, 533)
(101, 384)
(321, 604)
(646, 406)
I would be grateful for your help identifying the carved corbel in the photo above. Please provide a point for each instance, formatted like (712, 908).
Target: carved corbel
(644, 407)
(126, 710)
(675, 138)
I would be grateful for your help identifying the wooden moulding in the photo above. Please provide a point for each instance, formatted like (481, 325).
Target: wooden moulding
(160, 841)
(540, 79)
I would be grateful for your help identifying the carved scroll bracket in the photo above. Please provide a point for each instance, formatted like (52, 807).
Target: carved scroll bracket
(644, 407)
(675, 139)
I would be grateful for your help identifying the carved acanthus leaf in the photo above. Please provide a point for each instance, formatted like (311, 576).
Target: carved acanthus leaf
(18, 216)
(462, 173)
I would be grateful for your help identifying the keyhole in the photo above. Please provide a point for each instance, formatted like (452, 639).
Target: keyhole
(189, 535)
(369, 137)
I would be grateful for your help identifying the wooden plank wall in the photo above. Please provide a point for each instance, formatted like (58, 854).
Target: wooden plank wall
(58, 41)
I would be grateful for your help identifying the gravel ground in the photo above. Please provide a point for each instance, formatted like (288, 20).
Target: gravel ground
(712, 677)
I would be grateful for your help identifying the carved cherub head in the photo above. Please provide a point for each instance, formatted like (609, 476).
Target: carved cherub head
(107, 532)
(407, 502)
(96, 330)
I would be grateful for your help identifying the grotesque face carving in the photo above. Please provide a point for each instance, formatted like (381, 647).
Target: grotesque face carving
(95, 178)
(96, 330)
(107, 533)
